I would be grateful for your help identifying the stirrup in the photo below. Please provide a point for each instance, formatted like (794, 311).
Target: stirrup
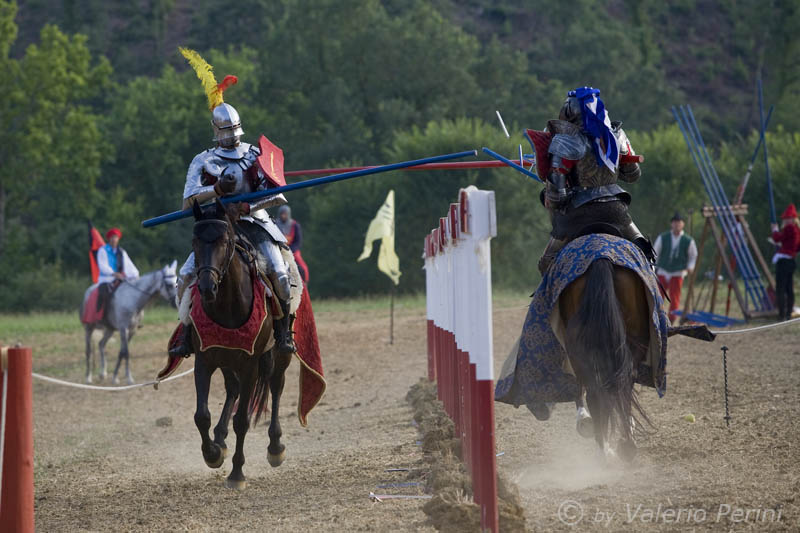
(283, 336)
(185, 348)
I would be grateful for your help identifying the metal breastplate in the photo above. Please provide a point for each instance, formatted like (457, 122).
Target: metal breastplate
(586, 172)
(238, 162)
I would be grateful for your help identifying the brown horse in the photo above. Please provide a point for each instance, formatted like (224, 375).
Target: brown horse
(606, 319)
(224, 270)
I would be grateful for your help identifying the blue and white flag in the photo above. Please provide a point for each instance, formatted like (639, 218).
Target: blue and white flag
(597, 124)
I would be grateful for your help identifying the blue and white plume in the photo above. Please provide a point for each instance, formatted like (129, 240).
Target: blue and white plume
(597, 124)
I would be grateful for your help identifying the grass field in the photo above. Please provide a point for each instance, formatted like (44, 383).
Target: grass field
(24, 327)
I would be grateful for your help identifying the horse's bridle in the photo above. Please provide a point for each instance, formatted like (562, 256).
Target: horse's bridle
(230, 250)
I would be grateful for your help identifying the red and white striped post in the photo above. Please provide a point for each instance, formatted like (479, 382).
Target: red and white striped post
(458, 282)
(16, 436)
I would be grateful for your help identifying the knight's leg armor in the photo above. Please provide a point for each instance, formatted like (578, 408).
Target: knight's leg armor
(278, 274)
(632, 233)
(550, 253)
(556, 189)
(184, 298)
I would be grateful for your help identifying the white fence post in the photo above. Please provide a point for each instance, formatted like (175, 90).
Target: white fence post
(458, 280)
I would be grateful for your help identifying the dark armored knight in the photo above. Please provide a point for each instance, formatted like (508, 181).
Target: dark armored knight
(587, 155)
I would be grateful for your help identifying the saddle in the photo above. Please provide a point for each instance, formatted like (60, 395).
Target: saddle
(249, 253)
(598, 227)
(96, 304)
(605, 228)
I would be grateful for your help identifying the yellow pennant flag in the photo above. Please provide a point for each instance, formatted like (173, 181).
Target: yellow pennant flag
(382, 227)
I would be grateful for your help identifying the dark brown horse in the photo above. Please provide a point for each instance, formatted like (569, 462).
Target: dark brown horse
(224, 280)
(606, 317)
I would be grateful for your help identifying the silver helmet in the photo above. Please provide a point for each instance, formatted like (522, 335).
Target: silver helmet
(227, 126)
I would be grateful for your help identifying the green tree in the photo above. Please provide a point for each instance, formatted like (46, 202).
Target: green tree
(9, 105)
(51, 145)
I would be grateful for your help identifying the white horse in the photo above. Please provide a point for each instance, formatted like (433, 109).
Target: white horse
(124, 314)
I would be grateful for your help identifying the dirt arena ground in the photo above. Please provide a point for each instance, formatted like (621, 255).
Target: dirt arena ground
(104, 464)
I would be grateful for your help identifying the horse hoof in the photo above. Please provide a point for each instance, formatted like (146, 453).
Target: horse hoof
(584, 423)
(131, 380)
(88, 380)
(235, 484)
(276, 460)
(626, 450)
(115, 380)
(217, 461)
(585, 427)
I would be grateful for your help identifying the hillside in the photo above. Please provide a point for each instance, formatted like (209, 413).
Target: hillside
(647, 54)
(102, 127)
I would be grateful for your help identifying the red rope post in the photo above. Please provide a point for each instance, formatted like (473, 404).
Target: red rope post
(16, 498)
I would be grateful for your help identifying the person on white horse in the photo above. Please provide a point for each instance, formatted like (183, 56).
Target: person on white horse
(119, 277)
(114, 266)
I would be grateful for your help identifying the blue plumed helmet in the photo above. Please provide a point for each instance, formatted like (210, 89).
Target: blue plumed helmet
(595, 123)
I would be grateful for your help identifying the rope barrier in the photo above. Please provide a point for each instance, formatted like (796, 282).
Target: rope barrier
(748, 330)
(109, 389)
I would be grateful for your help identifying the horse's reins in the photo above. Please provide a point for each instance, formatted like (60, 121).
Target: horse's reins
(128, 282)
(229, 251)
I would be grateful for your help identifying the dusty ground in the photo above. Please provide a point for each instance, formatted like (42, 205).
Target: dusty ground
(712, 474)
(103, 464)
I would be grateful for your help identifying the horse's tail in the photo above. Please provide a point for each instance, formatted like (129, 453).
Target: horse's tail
(258, 403)
(598, 336)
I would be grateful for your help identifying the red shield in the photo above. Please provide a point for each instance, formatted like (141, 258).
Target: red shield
(540, 141)
(271, 162)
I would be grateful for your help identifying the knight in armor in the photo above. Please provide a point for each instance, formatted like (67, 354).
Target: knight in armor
(293, 231)
(588, 154)
(229, 168)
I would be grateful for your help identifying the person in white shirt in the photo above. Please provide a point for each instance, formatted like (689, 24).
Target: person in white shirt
(677, 256)
(114, 266)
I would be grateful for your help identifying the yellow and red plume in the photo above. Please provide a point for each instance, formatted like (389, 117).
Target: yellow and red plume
(227, 82)
(206, 74)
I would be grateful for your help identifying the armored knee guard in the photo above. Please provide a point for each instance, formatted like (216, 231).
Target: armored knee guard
(549, 255)
(184, 300)
(281, 284)
(632, 233)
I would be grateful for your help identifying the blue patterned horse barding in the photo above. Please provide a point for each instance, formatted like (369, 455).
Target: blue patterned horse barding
(535, 375)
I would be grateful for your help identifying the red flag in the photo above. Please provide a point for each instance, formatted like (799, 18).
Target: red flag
(95, 243)
(312, 379)
(271, 162)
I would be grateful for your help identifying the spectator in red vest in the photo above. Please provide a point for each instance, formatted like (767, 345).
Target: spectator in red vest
(677, 256)
(294, 237)
(784, 260)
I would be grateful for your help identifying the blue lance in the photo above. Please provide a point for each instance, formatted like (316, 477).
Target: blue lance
(507, 161)
(706, 179)
(751, 264)
(763, 127)
(743, 186)
(714, 188)
(258, 195)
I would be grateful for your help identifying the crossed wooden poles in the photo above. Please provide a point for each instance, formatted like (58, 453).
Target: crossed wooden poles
(728, 226)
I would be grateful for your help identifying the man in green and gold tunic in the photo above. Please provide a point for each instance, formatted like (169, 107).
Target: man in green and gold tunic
(677, 256)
